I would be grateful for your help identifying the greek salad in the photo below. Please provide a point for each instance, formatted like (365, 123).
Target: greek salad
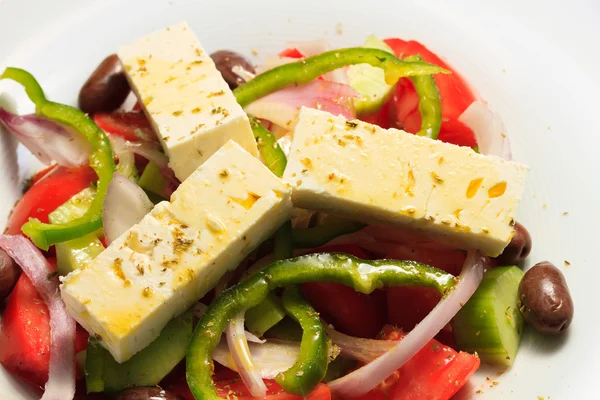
(330, 223)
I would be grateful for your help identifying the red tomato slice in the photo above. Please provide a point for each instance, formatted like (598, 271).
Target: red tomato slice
(381, 117)
(353, 313)
(229, 386)
(407, 306)
(450, 261)
(50, 191)
(133, 126)
(455, 95)
(44, 172)
(454, 131)
(436, 372)
(25, 336)
(291, 52)
(405, 106)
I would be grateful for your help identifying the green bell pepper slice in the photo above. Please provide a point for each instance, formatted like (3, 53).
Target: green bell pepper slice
(430, 105)
(363, 275)
(311, 366)
(311, 68)
(272, 155)
(101, 160)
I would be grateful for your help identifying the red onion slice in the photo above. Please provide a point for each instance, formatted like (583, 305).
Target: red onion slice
(270, 358)
(144, 148)
(365, 350)
(282, 106)
(126, 165)
(488, 128)
(124, 206)
(150, 151)
(46, 139)
(242, 358)
(200, 309)
(61, 375)
(243, 73)
(364, 379)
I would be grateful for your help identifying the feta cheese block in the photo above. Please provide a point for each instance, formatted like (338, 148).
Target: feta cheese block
(379, 176)
(177, 252)
(187, 101)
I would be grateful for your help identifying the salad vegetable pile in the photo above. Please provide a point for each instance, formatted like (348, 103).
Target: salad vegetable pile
(330, 223)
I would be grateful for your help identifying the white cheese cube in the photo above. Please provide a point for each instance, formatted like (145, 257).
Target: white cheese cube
(379, 176)
(186, 99)
(178, 252)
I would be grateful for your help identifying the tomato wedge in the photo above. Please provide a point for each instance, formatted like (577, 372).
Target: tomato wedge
(455, 95)
(43, 172)
(436, 372)
(230, 386)
(52, 189)
(420, 300)
(352, 313)
(454, 131)
(132, 126)
(291, 52)
(380, 118)
(25, 335)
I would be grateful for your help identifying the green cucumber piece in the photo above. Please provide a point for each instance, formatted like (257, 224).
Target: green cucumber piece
(264, 316)
(287, 329)
(369, 81)
(126, 166)
(73, 208)
(146, 368)
(490, 323)
(94, 366)
(329, 229)
(153, 181)
(74, 254)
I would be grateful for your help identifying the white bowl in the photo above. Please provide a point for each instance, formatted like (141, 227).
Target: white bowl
(535, 62)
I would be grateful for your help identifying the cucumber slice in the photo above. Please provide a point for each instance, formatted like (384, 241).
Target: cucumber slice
(330, 228)
(146, 368)
(153, 181)
(94, 366)
(287, 329)
(74, 208)
(264, 316)
(490, 323)
(369, 81)
(74, 254)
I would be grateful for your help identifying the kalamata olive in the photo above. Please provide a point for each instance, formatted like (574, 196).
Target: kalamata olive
(146, 393)
(9, 273)
(225, 60)
(518, 249)
(544, 299)
(106, 88)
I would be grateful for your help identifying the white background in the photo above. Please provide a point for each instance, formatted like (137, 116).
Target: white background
(535, 62)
